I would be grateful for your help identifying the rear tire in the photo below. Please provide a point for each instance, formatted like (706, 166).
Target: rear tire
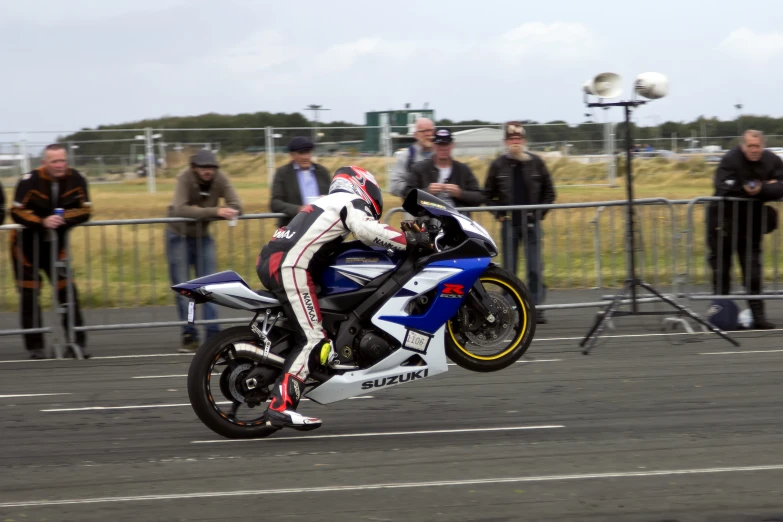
(459, 351)
(202, 386)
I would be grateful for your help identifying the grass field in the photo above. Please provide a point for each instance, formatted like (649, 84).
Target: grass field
(126, 265)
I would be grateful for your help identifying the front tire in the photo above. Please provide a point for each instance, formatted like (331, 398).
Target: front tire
(204, 386)
(465, 334)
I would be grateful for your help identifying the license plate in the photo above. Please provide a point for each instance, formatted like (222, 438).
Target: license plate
(417, 342)
(191, 311)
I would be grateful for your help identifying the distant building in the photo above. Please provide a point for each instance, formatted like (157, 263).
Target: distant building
(483, 141)
(401, 122)
(10, 161)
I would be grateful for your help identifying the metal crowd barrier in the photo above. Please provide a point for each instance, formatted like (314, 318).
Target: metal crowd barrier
(590, 247)
(122, 271)
(240, 253)
(14, 276)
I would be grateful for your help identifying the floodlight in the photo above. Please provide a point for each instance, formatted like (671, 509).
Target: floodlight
(652, 85)
(604, 85)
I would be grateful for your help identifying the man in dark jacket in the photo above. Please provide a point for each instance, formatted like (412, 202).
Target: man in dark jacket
(298, 183)
(445, 177)
(53, 197)
(751, 172)
(521, 178)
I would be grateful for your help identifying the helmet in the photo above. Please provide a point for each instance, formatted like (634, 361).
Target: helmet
(356, 180)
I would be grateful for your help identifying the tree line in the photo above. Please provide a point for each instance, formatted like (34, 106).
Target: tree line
(208, 128)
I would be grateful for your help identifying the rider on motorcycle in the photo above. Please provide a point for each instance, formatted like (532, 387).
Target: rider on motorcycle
(353, 205)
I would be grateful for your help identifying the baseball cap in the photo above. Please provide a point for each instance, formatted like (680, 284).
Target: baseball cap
(443, 137)
(300, 143)
(514, 129)
(204, 158)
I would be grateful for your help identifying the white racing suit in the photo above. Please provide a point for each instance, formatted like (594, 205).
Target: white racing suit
(284, 267)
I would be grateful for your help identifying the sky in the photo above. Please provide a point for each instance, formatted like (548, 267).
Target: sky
(83, 63)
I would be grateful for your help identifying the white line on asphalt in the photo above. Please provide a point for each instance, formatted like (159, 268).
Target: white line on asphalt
(391, 485)
(101, 357)
(145, 406)
(741, 353)
(183, 375)
(387, 434)
(31, 395)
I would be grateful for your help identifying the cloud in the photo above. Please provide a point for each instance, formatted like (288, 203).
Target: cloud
(273, 60)
(341, 57)
(555, 41)
(753, 48)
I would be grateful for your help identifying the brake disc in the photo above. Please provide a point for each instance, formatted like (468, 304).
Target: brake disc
(230, 381)
(484, 333)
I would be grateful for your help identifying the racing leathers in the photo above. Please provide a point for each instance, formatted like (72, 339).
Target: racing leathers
(284, 267)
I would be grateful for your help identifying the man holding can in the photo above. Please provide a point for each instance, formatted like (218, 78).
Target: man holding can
(48, 202)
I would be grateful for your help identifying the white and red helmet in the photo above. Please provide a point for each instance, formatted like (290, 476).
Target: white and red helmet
(356, 180)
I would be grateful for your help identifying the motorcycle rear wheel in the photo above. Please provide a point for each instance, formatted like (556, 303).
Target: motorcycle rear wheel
(203, 386)
(516, 302)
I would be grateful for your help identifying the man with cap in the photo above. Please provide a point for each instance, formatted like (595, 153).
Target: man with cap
(196, 196)
(519, 177)
(444, 177)
(299, 182)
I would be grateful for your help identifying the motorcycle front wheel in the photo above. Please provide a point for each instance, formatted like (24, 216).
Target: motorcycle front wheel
(475, 344)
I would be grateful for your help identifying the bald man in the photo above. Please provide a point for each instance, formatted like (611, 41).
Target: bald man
(421, 150)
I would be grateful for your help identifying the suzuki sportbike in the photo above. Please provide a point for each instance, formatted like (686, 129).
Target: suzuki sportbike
(393, 318)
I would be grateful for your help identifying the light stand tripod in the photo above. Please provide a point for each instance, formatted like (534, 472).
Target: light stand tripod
(631, 284)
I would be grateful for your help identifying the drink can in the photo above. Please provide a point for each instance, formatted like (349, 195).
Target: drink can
(59, 212)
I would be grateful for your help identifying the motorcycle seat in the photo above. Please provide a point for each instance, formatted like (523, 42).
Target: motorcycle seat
(267, 296)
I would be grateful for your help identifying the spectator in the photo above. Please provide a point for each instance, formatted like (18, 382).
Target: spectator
(406, 158)
(519, 177)
(746, 171)
(445, 177)
(196, 196)
(39, 194)
(299, 182)
(2, 204)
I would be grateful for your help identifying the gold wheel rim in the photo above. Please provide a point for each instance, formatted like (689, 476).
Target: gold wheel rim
(514, 344)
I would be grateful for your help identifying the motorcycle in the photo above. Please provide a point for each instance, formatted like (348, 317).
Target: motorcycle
(393, 318)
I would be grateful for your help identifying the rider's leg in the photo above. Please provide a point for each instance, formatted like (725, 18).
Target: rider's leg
(302, 309)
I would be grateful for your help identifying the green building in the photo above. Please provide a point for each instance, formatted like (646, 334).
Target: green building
(401, 122)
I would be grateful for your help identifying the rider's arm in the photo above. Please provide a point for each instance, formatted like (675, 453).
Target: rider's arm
(368, 230)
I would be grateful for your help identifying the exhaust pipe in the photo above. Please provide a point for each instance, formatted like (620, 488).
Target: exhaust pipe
(257, 354)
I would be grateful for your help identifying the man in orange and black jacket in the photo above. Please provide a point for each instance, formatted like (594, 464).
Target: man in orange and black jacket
(52, 197)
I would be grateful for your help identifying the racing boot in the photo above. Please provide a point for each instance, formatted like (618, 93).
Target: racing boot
(282, 409)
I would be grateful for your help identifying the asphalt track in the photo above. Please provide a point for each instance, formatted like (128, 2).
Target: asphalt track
(649, 427)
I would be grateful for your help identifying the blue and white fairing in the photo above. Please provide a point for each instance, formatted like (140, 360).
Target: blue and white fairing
(446, 279)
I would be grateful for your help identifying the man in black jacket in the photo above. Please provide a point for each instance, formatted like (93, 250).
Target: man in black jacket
(50, 198)
(444, 177)
(298, 183)
(521, 178)
(751, 172)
